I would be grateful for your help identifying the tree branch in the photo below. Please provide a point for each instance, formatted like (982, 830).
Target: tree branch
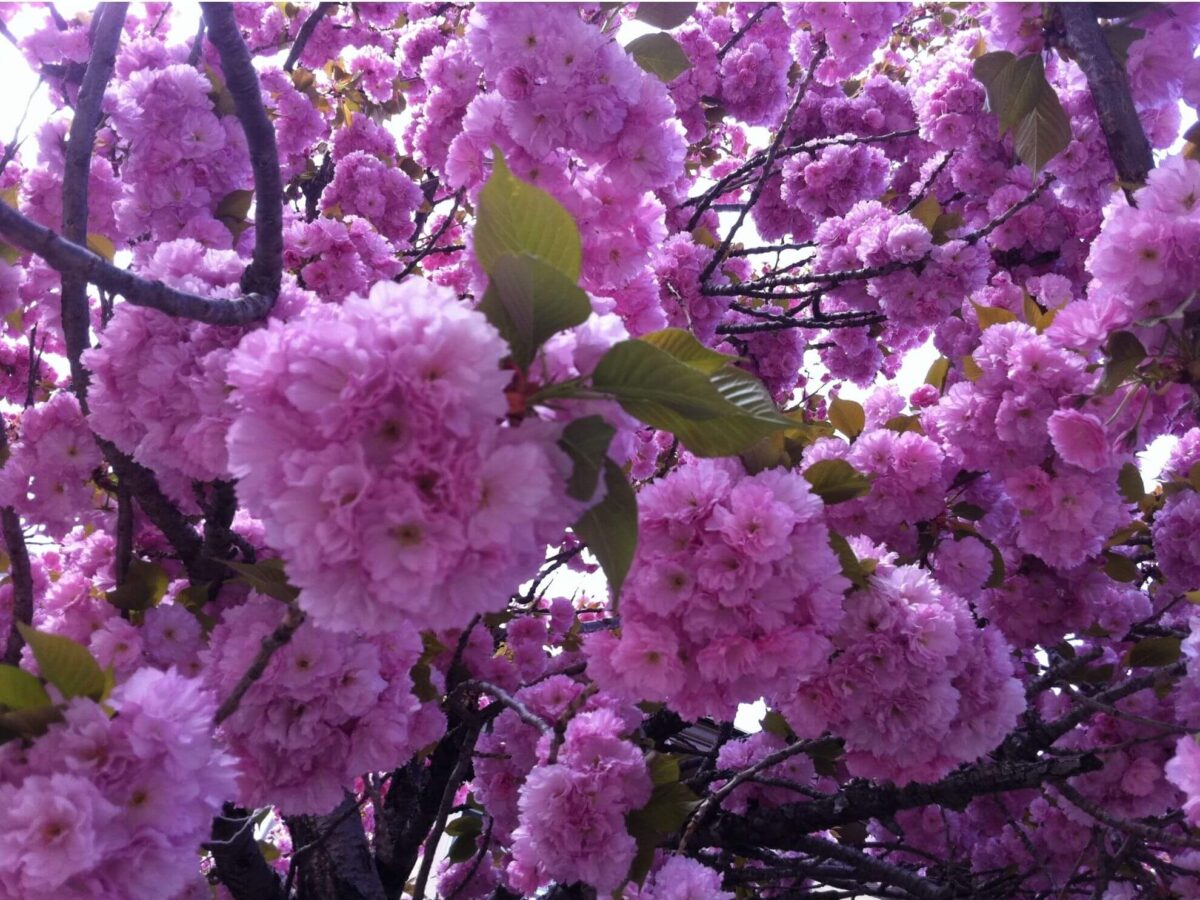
(782, 826)
(306, 32)
(1127, 143)
(271, 643)
(109, 20)
(66, 256)
(264, 274)
(22, 580)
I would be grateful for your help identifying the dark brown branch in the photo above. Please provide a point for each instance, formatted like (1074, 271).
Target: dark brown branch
(65, 256)
(240, 865)
(123, 554)
(1137, 829)
(334, 860)
(22, 582)
(109, 20)
(523, 712)
(460, 773)
(872, 869)
(270, 644)
(1127, 143)
(859, 801)
(263, 275)
(306, 32)
(165, 516)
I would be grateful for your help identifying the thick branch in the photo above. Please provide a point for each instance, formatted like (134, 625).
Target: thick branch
(264, 274)
(239, 861)
(1127, 144)
(780, 827)
(66, 256)
(22, 582)
(110, 18)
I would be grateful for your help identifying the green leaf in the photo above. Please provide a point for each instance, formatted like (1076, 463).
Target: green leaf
(996, 578)
(847, 417)
(1119, 39)
(529, 301)
(235, 205)
(65, 664)
(468, 824)
(1125, 352)
(144, 586)
(937, 373)
(610, 528)
(660, 55)
(836, 481)
(1121, 568)
(1129, 480)
(1153, 652)
(586, 441)
(665, 813)
(968, 511)
(774, 723)
(27, 723)
(663, 767)
(852, 567)
(683, 346)
(987, 316)
(462, 849)
(514, 217)
(903, 423)
(267, 577)
(664, 15)
(20, 690)
(1043, 133)
(721, 414)
(1025, 102)
(988, 70)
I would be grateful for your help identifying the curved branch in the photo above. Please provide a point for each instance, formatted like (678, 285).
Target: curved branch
(110, 19)
(265, 272)
(66, 256)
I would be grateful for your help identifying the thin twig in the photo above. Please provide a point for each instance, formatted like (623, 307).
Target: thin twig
(439, 824)
(523, 712)
(270, 644)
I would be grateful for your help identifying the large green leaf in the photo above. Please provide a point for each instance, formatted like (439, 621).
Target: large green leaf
(586, 441)
(528, 301)
(660, 55)
(144, 585)
(20, 690)
(847, 417)
(515, 217)
(267, 577)
(1025, 103)
(1125, 353)
(683, 346)
(610, 528)
(1045, 132)
(664, 15)
(668, 809)
(65, 664)
(836, 481)
(721, 414)
(653, 386)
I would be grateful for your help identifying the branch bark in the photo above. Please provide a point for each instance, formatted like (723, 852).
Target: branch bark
(305, 33)
(110, 19)
(1127, 143)
(780, 828)
(263, 275)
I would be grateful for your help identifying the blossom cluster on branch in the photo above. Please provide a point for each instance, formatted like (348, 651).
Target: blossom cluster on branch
(431, 429)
